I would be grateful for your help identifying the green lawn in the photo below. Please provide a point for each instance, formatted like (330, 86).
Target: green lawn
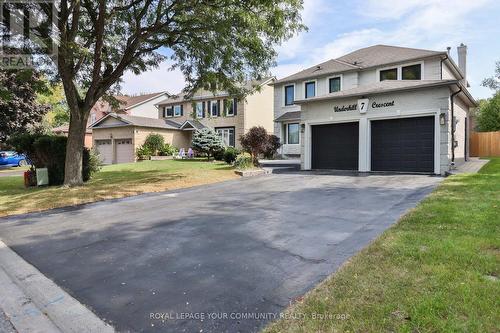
(437, 270)
(113, 181)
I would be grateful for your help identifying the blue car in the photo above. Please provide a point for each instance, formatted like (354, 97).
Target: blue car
(12, 158)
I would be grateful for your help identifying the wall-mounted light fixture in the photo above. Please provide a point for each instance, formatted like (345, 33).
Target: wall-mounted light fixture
(302, 128)
(442, 118)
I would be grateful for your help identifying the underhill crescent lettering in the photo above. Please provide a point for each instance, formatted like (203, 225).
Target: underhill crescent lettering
(382, 105)
(344, 108)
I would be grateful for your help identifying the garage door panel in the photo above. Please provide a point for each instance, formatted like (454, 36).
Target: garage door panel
(335, 146)
(124, 151)
(105, 150)
(405, 144)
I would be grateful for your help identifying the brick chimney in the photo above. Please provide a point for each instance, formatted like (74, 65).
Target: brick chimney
(462, 59)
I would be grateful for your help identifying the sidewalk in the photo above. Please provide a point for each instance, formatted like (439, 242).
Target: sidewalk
(30, 302)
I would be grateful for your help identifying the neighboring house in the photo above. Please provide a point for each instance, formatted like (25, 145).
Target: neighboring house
(139, 106)
(117, 136)
(228, 116)
(64, 129)
(380, 108)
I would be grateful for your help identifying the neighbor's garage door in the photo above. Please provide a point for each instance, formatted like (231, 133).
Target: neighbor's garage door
(105, 149)
(124, 151)
(405, 144)
(335, 146)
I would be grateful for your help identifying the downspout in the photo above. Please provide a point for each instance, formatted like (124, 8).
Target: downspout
(452, 96)
(442, 60)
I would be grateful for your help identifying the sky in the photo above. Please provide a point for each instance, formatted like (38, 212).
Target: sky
(336, 28)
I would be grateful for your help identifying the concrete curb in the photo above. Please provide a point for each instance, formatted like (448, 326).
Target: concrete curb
(34, 303)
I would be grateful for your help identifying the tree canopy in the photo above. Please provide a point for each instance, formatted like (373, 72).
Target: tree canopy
(217, 44)
(19, 109)
(488, 114)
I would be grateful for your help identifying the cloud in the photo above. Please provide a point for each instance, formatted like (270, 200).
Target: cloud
(155, 80)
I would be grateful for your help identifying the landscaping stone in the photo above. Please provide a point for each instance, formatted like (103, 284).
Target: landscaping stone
(252, 172)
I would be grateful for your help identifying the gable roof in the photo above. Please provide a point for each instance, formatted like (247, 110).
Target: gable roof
(372, 56)
(183, 97)
(128, 102)
(192, 124)
(137, 121)
(287, 116)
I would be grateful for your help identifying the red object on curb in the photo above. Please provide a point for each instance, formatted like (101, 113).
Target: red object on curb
(27, 176)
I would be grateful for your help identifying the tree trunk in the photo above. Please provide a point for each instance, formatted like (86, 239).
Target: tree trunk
(74, 147)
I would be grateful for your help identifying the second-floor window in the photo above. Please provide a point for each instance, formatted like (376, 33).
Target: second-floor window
(199, 110)
(178, 110)
(389, 74)
(169, 111)
(334, 84)
(310, 89)
(230, 105)
(214, 112)
(412, 72)
(289, 95)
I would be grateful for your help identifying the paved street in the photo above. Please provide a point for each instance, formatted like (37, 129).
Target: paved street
(244, 246)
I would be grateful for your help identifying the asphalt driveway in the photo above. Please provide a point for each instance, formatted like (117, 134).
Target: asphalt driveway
(227, 256)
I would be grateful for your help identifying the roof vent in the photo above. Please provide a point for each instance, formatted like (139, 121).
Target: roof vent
(318, 68)
(448, 49)
(355, 63)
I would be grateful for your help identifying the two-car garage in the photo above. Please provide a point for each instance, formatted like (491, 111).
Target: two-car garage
(400, 145)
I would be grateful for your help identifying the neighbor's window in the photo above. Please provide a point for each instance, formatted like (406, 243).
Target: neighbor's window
(389, 74)
(227, 136)
(230, 106)
(412, 72)
(169, 111)
(310, 88)
(289, 92)
(199, 110)
(177, 110)
(334, 84)
(292, 133)
(215, 109)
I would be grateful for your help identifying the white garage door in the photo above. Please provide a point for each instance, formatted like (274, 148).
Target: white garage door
(124, 151)
(105, 150)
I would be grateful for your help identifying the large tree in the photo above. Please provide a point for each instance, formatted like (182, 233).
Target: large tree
(217, 44)
(19, 109)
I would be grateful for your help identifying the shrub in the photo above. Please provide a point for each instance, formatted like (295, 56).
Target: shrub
(255, 141)
(154, 142)
(143, 153)
(243, 161)
(91, 163)
(219, 154)
(207, 141)
(273, 144)
(167, 150)
(49, 151)
(230, 155)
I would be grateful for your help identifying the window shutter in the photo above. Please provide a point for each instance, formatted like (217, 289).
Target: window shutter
(182, 110)
(224, 106)
(209, 108)
(203, 109)
(218, 108)
(164, 111)
(235, 103)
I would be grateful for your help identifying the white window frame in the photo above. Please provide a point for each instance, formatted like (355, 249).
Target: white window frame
(212, 103)
(199, 112)
(315, 88)
(226, 130)
(284, 94)
(166, 113)
(286, 132)
(230, 111)
(180, 110)
(333, 77)
(400, 69)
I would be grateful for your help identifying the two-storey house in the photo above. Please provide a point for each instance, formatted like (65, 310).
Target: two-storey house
(118, 135)
(380, 108)
(227, 115)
